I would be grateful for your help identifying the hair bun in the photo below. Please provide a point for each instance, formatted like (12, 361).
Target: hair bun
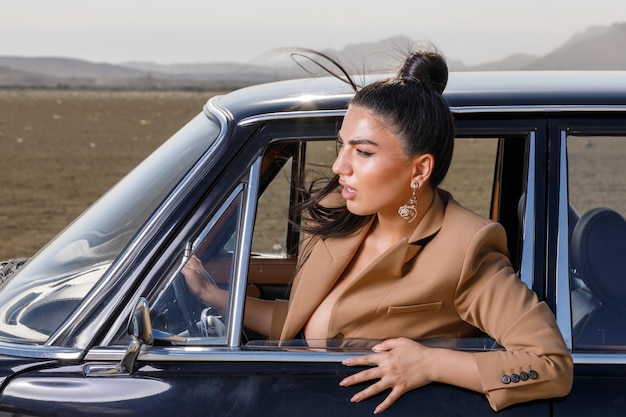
(426, 69)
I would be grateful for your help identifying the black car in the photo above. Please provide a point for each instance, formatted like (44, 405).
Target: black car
(99, 322)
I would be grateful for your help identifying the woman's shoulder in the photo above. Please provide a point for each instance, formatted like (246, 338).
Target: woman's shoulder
(461, 219)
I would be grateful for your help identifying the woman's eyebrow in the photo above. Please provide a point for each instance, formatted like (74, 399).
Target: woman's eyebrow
(358, 141)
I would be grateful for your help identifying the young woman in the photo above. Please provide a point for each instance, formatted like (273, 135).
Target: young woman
(401, 260)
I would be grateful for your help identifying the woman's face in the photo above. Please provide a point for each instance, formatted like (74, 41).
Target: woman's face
(374, 172)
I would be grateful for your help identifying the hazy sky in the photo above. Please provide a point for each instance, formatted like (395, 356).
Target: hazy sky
(187, 31)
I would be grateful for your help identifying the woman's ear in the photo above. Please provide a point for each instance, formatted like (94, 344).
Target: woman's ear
(423, 166)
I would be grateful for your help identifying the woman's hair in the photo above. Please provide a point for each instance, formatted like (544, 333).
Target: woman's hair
(412, 107)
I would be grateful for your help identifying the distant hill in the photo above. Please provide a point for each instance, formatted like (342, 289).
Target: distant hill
(596, 48)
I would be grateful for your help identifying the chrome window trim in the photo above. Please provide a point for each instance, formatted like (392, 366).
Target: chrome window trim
(539, 108)
(242, 256)
(290, 115)
(454, 109)
(599, 358)
(563, 302)
(40, 352)
(528, 231)
(234, 194)
(219, 354)
(168, 205)
(225, 354)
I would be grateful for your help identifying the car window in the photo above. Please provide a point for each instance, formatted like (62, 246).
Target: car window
(271, 231)
(597, 206)
(177, 311)
(471, 175)
(471, 179)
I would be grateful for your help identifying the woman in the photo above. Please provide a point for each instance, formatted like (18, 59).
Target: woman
(402, 261)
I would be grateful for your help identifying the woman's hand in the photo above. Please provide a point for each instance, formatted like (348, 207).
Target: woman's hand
(399, 364)
(403, 364)
(201, 285)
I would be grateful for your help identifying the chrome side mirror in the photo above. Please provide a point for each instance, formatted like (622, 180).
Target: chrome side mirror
(140, 326)
(140, 330)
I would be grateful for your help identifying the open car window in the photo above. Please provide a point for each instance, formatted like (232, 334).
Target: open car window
(475, 180)
(273, 254)
(597, 241)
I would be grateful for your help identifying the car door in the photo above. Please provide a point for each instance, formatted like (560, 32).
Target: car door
(589, 243)
(202, 360)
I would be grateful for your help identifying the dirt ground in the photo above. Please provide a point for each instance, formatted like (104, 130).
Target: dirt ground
(61, 150)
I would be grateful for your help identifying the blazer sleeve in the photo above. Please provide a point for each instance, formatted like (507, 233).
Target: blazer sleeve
(535, 362)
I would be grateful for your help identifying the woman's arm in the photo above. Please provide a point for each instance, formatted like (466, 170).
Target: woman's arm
(258, 313)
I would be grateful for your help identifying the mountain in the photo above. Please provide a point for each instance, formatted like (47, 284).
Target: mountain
(599, 47)
(596, 48)
(510, 63)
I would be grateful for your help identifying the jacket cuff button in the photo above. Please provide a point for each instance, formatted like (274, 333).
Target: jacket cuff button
(533, 374)
(523, 376)
(506, 379)
(515, 378)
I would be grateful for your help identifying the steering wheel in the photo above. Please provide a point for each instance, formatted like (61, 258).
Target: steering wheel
(186, 302)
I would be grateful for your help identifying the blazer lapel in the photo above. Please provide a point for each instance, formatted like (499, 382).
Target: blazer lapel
(329, 258)
(327, 261)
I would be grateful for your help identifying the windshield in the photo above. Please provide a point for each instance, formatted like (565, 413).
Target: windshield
(42, 294)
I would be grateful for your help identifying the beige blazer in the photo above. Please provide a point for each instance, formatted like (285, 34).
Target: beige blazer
(451, 277)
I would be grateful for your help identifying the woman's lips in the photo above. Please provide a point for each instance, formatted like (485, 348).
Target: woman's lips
(348, 192)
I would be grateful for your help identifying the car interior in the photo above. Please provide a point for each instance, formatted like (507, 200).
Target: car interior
(597, 242)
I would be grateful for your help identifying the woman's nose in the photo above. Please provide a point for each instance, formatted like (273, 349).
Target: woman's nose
(340, 166)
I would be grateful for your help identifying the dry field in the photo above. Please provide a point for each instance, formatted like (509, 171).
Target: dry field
(61, 150)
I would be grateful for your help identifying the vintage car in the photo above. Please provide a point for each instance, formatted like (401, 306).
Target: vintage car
(99, 321)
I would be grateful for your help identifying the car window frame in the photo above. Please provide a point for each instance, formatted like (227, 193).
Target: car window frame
(600, 124)
(272, 132)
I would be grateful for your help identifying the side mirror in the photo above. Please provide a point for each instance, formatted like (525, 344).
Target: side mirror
(140, 326)
(140, 330)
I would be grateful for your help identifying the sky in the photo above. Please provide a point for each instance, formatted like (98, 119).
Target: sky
(199, 31)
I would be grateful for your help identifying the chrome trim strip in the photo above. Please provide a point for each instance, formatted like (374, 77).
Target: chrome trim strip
(454, 109)
(608, 358)
(220, 354)
(224, 354)
(539, 108)
(563, 303)
(173, 199)
(290, 115)
(528, 232)
(238, 290)
(40, 352)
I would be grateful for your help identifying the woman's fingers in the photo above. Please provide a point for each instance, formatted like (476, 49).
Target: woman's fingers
(399, 367)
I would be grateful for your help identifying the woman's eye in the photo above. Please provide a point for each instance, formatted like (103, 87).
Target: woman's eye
(338, 146)
(364, 154)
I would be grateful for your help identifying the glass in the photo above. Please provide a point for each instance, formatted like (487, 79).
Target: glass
(177, 310)
(42, 294)
(597, 206)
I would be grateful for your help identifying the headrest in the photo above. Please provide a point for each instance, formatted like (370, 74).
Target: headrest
(598, 253)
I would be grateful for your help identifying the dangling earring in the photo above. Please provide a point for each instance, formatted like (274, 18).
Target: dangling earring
(409, 210)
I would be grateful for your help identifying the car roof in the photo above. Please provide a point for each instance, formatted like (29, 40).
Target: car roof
(465, 92)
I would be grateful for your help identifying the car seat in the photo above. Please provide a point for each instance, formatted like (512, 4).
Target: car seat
(598, 258)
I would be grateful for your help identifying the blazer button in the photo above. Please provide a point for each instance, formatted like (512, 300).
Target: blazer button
(514, 378)
(532, 374)
(523, 376)
(506, 379)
